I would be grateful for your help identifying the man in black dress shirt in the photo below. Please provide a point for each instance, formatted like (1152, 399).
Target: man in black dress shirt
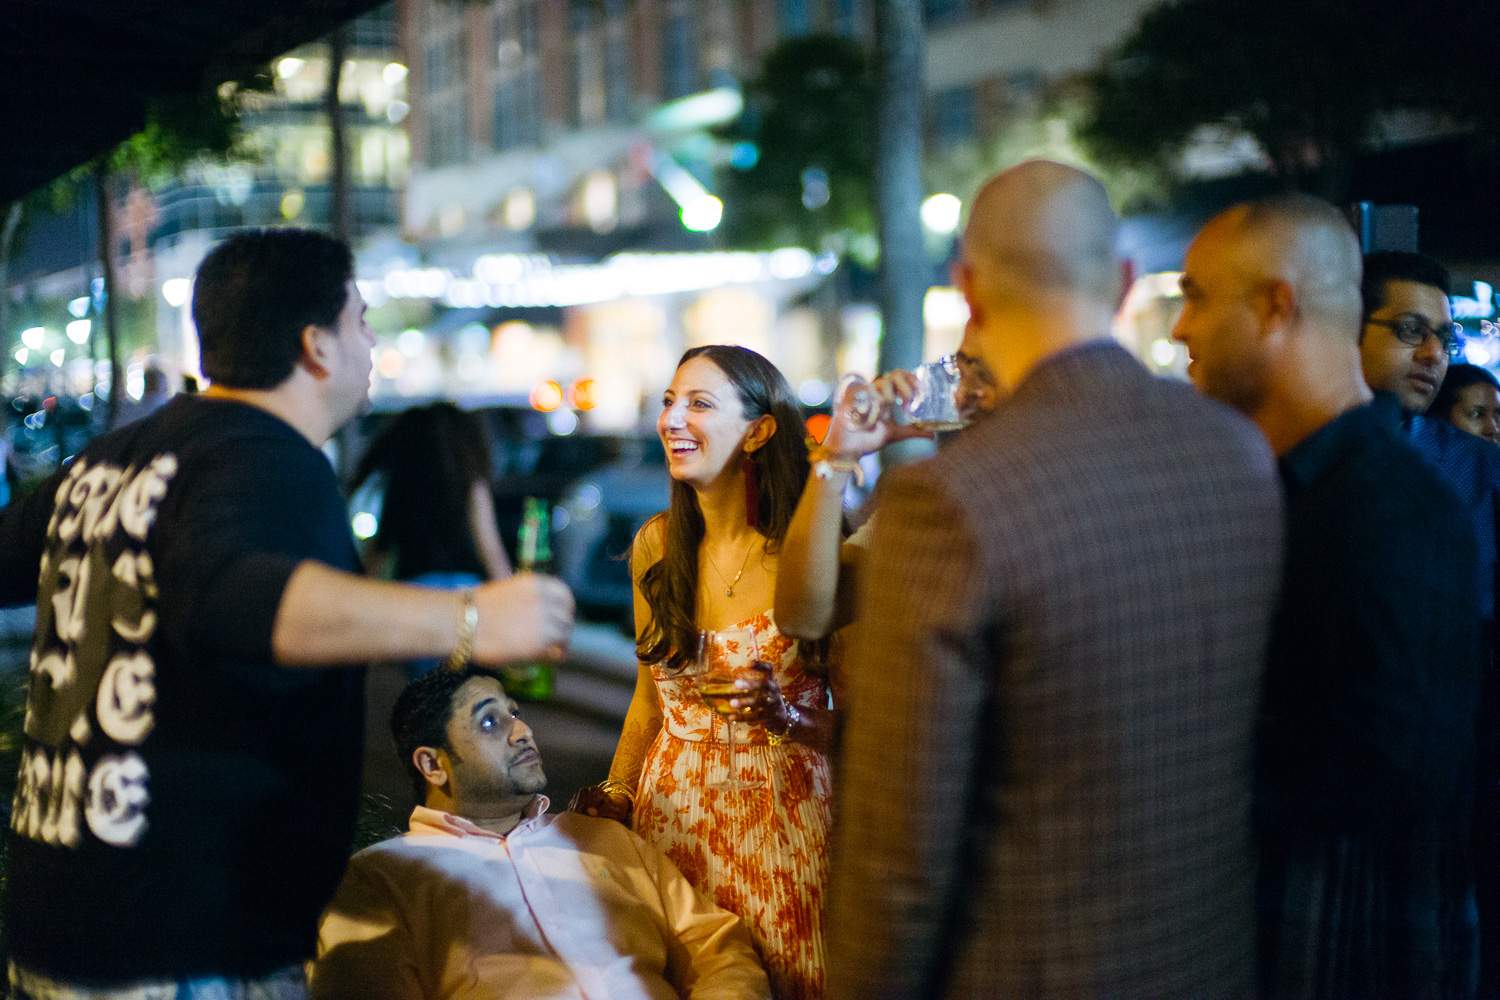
(1366, 737)
(1407, 339)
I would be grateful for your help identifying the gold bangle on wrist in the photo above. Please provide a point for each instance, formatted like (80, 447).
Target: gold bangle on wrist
(609, 786)
(785, 736)
(825, 462)
(468, 625)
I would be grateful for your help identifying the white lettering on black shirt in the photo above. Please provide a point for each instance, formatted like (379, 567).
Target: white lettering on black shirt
(103, 594)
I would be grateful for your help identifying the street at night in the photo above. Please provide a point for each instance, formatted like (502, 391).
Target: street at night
(749, 499)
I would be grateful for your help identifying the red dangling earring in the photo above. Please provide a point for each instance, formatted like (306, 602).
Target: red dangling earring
(752, 492)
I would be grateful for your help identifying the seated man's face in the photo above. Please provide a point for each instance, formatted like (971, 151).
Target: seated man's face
(1413, 371)
(493, 753)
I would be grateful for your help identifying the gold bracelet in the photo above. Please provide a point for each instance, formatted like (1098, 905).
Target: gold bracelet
(785, 736)
(468, 625)
(825, 462)
(609, 786)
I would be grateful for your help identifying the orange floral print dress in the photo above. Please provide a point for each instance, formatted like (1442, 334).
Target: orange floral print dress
(762, 853)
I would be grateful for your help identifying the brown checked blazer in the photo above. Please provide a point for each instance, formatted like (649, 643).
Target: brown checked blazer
(1045, 771)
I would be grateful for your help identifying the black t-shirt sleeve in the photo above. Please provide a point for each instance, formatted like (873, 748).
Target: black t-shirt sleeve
(246, 517)
(23, 538)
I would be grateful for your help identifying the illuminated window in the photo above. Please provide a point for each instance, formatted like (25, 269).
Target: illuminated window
(588, 67)
(616, 62)
(445, 66)
(679, 51)
(517, 75)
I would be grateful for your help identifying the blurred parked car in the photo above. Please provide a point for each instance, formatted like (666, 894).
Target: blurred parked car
(546, 467)
(600, 487)
(596, 520)
(44, 433)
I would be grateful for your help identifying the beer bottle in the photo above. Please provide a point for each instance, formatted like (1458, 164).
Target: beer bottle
(533, 681)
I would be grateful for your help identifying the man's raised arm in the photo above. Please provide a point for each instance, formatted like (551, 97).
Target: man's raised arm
(816, 570)
(327, 617)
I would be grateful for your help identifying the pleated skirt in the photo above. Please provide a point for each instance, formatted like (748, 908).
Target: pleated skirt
(760, 853)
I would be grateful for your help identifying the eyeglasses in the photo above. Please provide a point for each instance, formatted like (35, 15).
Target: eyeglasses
(1413, 331)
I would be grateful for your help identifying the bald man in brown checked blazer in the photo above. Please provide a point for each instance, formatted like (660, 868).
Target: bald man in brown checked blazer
(1046, 763)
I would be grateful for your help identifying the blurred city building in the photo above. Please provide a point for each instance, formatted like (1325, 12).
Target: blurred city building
(535, 190)
(280, 174)
(285, 176)
(562, 202)
(569, 148)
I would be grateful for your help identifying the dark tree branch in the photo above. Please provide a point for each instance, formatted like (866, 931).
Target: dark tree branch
(340, 216)
(111, 311)
(899, 52)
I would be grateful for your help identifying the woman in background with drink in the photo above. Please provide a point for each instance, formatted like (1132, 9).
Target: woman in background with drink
(436, 518)
(734, 437)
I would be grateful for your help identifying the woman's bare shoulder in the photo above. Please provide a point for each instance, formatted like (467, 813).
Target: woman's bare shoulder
(649, 543)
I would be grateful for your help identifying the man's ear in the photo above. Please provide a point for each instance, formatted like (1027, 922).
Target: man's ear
(316, 350)
(1277, 305)
(1127, 281)
(961, 273)
(433, 765)
(761, 431)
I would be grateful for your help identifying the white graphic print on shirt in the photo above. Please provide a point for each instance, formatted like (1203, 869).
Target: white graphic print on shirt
(90, 653)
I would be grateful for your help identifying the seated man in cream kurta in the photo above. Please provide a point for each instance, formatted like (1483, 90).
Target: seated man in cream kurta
(489, 896)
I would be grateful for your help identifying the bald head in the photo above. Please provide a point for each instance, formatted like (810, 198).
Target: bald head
(1304, 242)
(1270, 314)
(1043, 229)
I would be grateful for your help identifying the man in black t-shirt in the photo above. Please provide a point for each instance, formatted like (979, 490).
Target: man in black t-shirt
(189, 779)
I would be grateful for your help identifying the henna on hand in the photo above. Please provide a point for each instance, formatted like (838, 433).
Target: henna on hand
(593, 800)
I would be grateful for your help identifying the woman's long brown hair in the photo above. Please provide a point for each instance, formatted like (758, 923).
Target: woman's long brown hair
(431, 457)
(670, 585)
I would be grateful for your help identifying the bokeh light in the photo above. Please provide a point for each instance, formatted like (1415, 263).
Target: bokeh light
(581, 395)
(546, 396)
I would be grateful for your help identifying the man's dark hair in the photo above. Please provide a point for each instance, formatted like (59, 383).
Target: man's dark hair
(421, 715)
(254, 295)
(1399, 265)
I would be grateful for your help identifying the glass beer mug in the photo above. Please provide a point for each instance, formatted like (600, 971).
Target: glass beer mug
(933, 407)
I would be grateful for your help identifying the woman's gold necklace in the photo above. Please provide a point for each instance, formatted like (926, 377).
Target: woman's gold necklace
(729, 590)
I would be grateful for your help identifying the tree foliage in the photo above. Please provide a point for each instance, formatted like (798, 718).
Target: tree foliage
(810, 117)
(1045, 129)
(1311, 81)
(180, 129)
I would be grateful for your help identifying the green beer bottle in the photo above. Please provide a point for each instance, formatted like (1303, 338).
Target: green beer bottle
(533, 681)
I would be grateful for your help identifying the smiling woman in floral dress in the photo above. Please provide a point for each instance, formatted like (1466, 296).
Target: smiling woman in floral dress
(738, 461)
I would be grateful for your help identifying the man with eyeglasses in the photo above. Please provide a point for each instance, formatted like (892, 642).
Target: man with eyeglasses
(1408, 335)
(1407, 339)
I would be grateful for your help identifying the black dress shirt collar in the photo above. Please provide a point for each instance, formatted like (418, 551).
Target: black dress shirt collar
(1314, 454)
